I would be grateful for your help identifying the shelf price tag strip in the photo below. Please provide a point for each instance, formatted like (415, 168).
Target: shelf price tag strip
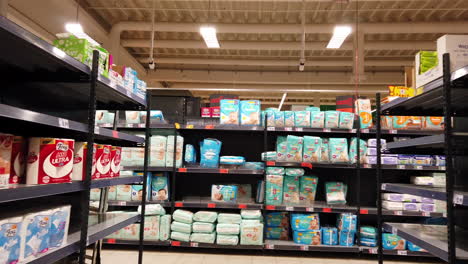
(63, 123)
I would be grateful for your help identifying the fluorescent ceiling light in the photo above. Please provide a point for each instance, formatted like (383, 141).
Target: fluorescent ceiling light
(77, 30)
(209, 36)
(340, 33)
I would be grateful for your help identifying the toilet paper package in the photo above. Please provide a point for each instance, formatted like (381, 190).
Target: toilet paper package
(279, 119)
(312, 237)
(363, 108)
(115, 157)
(79, 161)
(229, 112)
(124, 192)
(305, 222)
(294, 171)
(329, 236)
(368, 232)
(317, 119)
(209, 154)
(152, 228)
(19, 148)
(200, 227)
(251, 234)
(277, 219)
(203, 237)
(112, 194)
(158, 151)
(291, 190)
(228, 229)
(288, 118)
(159, 187)
(308, 188)
(10, 239)
(183, 216)
(347, 222)
(181, 227)
(392, 205)
(294, 148)
(347, 238)
(312, 149)
(338, 148)
(336, 192)
(224, 193)
(164, 227)
(250, 112)
(103, 161)
(275, 171)
(225, 218)
(346, 120)
(332, 119)
(274, 189)
(413, 247)
(170, 151)
(132, 117)
(35, 234)
(302, 119)
(60, 220)
(251, 214)
(277, 233)
(177, 236)
(227, 240)
(393, 242)
(50, 160)
(325, 157)
(190, 155)
(353, 151)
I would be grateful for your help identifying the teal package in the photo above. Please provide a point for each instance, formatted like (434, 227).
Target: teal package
(312, 109)
(362, 151)
(346, 120)
(203, 237)
(274, 190)
(308, 188)
(156, 116)
(317, 119)
(281, 148)
(269, 156)
(325, 157)
(254, 165)
(347, 222)
(159, 187)
(294, 171)
(269, 116)
(347, 238)
(209, 154)
(329, 236)
(312, 149)
(294, 148)
(302, 118)
(368, 242)
(289, 118)
(232, 160)
(291, 190)
(307, 237)
(332, 119)
(413, 247)
(277, 219)
(338, 150)
(229, 109)
(279, 119)
(368, 232)
(391, 241)
(305, 222)
(250, 112)
(275, 171)
(335, 192)
(277, 233)
(190, 155)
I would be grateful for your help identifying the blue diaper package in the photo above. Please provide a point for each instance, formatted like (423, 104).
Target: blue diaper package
(368, 242)
(317, 119)
(346, 120)
(10, 239)
(294, 148)
(289, 119)
(59, 226)
(159, 187)
(347, 238)
(362, 151)
(279, 119)
(209, 154)
(37, 226)
(368, 232)
(277, 219)
(269, 117)
(347, 222)
(332, 119)
(156, 116)
(413, 247)
(250, 112)
(338, 150)
(224, 193)
(391, 241)
(307, 237)
(229, 109)
(302, 118)
(329, 236)
(305, 222)
(190, 155)
(254, 165)
(232, 160)
(277, 233)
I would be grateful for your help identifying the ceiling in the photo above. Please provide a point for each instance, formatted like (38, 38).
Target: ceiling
(265, 37)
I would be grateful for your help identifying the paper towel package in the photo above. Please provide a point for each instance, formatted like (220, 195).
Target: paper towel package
(79, 161)
(164, 227)
(18, 162)
(159, 187)
(115, 157)
(10, 239)
(50, 160)
(35, 234)
(250, 112)
(124, 192)
(229, 112)
(152, 228)
(103, 161)
(6, 144)
(158, 151)
(60, 221)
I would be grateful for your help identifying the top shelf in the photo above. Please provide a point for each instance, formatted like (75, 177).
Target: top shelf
(46, 65)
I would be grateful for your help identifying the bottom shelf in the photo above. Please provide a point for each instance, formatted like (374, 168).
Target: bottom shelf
(290, 245)
(373, 250)
(208, 245)
(136, 242)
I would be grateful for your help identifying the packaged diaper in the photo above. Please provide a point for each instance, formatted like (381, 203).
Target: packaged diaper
(190, 155)
(281, 148)
(439, 160)
(137, 192)
(203, 237)
(260, 196)
(251, 214)
(274, 189)
(227, 240)
(336, 192)
(112, 194)
(177, 236)
(153, 209)
(422, 180)
(363, 108)
(291, 190)
(130, 232)
(254, 165)
(244, 192)
(433, 122)
(397, 206)
(394, 197)
(170, 151)
(224, 218)
(332, 119)
(294, 148)
(329, 236)
(159, 187)
(347, 238)
(422, 160)
(124, 192)
(183, 216)
(305, 222)
(277, 219)
(307, 188)
(413, 247)
(288, 118)
(312, 237)
(251, 234)
(368, 232)
(59, 222)
(279, 119)
(275, 171)
(312, 149)
(232, 160)
(200, 227)
(404, 159)
(104, 117)
(181, 227)
(389, 159)
(407, 122)
(317, 119)
(35, 227)
(368, 242)
(391, 242)
(156, 116)
(372, 142)
(269, 116)
(347, 222)
(386, 122)
(158, 146)
(164, 227)
(228, 229)
(95, 194)
(250, 112)
(338, 148)
(415, 207)
(346, 120)
(229, 112)
(302, 119)
(269, 156)
(224, 193)
(10, 239)
(205, 216)
(209, 154)
(251, 221)
(277, 233)
(152, 228)
(132, 117)
(324, 157)
(294, 171)
(312, 109)
(353, 151)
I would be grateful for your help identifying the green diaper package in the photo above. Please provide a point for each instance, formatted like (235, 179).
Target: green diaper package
(312, 150)
(324, 157)
(181, 227)
(288, 118)
(281, 148)
(332, 119)
(227, 229)
(362, 151)
(274, 189)
(203, 238)
(269, 156)
(308, 188)
(317, 119)
(294, 148)
(279, 119)
(302, 118)
(199, 227)
(291, 190)
(205, 216)
(164, 227)
(338, 148)
(336, 192)
(251, 234)
(251, 214)
(275, 171)
(227, 240)
(294, 171)
(225, 218)
(177, 236)
(183, 216)
(251, 221)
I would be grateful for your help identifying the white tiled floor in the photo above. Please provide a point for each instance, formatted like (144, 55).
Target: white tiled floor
(151, 257)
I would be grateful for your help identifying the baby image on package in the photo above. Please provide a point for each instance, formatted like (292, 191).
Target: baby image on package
(338, 148)
(294, 148)
(363, 107)
(312, 237)
(224, 193)
(229, 112)
(250, 112)
(159, 187)
(288, 118)
(308, 188)
(305, 222)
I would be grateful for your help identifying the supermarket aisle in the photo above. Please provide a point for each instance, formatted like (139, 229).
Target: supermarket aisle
(130, 256)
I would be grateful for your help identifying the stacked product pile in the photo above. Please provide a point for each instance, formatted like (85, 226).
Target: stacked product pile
(412, 122)
(368, 238)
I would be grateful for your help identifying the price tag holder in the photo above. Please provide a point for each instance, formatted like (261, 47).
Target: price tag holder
(211, 205)
(271, 128)
(352, 130)
(96, 130)
(269, 246)
(442, 168)
(193, 244)
(288, 129)
(366, 166)
(401, 167)
(115, 134)
(299, 129)
(242, 206)
(458, 199)
(304, 248)
(402, 252)
(177, 125)
(427, 214)
(189, 126)
(121, 203)
(289, 208)
(365, 130)
(63, 123)
(306, 165)
(175, 243)
(327, 130)
(309, 209)
(372, 250)
(182, 170)
(209, 127)
(363, 211)
(270, 163)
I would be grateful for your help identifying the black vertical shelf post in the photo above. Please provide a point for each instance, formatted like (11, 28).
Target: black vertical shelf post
(174, 172)
(450, 177)
(379, 181)
(265, 149)
(358, 179)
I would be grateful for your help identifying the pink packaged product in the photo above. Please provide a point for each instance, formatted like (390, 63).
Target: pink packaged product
(79, 161)
(116, 157)
(103, 161)
(416, 207)
(50, 160)
(18, 160)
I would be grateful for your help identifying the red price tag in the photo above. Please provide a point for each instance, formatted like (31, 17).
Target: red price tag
(182, 170)
(306, 165)
(242, 206)
(211, 205)
(111, 241)
(179, 204)
(209, 127)
(326, 210)
(270, 207)
(364, 211)
(270, 163)
(115, 134)
(223, 171)
(175, 243)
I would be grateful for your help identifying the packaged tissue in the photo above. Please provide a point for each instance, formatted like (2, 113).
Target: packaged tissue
(224, 193)
(205, 216)
(232, 160)
(209, 154)
(170, 151)
(346, 120)
(308, 188)
(275, 171)
(228, 229)
(368, 232)
(79, 161)
(335, 192)
(19, 148)
(393, 242)
(302, 118)
(224, 218)
(59, 222)
(227, 240)
(35, 229)
(203, 238)
(347, 238)
(332, 119)
(312, 149)
(250, 112)
(353, 151)
(251, 214)
(158, 151)
(10, 239)
(305, 222)
(274, 189)
(291, 189)
(311, 237)
(164, 227)
(230, 112)
(324, 157)
(279, 119)
(363, 108)
(159, 187)
(190, 155)
(183, 216)
(200, 227)
(294, 148)
(277, 219)
(251, 234)
(277, 233)
(329, 236)
(124, 192)
(289, 118)
(317, 119)
(181, 227)
(177, 236)
(347, 222)
(294, 171)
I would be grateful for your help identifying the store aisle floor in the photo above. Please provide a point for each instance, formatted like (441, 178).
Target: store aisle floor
(130, 256)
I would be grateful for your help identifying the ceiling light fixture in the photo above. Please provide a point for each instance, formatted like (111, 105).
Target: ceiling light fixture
(340, 33)
(209, 36)
(77, 30)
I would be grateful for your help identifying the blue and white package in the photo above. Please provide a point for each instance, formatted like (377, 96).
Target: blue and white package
(302, 119)
(279, 119)
(159, 187)
(277, 219)
(232, 160)
(368, 232)
(60, 220)
(35, 228)
(346, 120)
(229, 109)
(288, 118)
(156, 116)
(368, 242)
(332, 119)
(209, 154)
(254, 165)
(391, 241)
(10, 239)
(413, 247)
(347, 222)
(250, 112)
(224, 193)
(305, 222)
(347, 238)
(190, 155)
(329, 236)
(362, 151)
(311, 237)
(269, 116)
(317, 119)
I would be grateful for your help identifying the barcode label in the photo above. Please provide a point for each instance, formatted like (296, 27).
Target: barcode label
(365, 130)
(402, 252)
(271, 128)
(442, 168)
(326, 130)
(299, 129)
(352, 130)
(269, 246)
(397, 212)
(288, 129)
(289, 208)
(309, 209)
(304, 248)
(193, 244)
(426, 214)
(121, 203)
(372, 250)
(63, 123)
(96, 130)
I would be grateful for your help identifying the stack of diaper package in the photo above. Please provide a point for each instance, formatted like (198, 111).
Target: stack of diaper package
(412, 122)
(368, 238)
(412, 203)
(347, 227)
(231, 193)
(277, 226)
(139, 117)
(23, 237)
(158, 189)
(235, 112)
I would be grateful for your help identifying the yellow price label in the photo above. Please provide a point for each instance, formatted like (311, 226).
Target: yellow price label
(401, 91)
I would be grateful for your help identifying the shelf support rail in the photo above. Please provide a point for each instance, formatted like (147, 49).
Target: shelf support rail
(379, 181)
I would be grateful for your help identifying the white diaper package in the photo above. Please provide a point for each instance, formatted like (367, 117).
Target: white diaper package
(10, 239)
(250, 112)
(229, 112)
(251, 221)
(153, 209)
(183, 216)
(152, 228)
(392, 205)
(200, 227)
(251, 234)
(317, 119)
(130, 232)
(227, 240)
(228, 229)
(416, 207)
(79, 161)
(338, 150)
(181, 227)
(95, 194)
(164, 227)
(178, 236)
(279, 119)
(332, 119)
(251, 214)
(203, 237)
(59, 223)
(226, 218)
(158, 151)
(138, 156)
(127, 159)
(35, 234)
(124, 192)
(170, 151)
(422, 180)
(205, 216)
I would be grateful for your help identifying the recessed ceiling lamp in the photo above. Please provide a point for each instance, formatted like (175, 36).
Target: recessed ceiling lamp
(340, 33)
(209, 36)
